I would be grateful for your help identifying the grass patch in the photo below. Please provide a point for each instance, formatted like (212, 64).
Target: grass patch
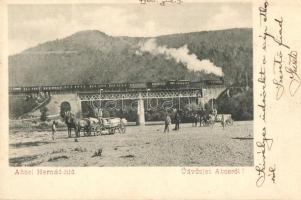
(18, 161)
(97, 153)
(33, 163)
(59, 151)
(56, 158)
(80, 149)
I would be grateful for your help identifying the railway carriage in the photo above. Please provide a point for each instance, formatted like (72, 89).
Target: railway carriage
(172, 84)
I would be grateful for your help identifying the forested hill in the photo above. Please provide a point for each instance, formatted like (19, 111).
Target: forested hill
(92, 56)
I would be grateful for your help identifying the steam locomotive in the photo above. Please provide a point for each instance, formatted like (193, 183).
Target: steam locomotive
(172, 84)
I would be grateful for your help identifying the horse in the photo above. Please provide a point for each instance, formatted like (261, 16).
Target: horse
(78, 124)
(83, 124)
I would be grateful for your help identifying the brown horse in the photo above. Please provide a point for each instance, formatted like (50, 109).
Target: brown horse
(83, 124)
(78, 125)
(70, 125)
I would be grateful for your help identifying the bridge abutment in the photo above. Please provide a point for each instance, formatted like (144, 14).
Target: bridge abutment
(211, 93)
(54, 106)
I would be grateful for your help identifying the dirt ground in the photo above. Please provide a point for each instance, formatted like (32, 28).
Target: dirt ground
(139, 146)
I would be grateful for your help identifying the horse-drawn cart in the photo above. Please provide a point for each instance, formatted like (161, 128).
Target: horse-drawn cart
(108, 126)
(96, 126)
(225, 118)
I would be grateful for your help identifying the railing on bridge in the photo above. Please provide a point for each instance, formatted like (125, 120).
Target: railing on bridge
(140, 94)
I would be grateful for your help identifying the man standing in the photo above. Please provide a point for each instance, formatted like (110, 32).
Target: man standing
(177, 120)
(223, 121)
(167, 123)
(202, 116)
(196, 119)
(214, 112)
(53, 128)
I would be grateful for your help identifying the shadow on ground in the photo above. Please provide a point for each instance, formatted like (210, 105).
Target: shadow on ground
(29, 144)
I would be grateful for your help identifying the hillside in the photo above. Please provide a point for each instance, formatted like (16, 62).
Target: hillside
(94, 57)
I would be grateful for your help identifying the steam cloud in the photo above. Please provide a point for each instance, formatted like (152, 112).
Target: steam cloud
(180, 55)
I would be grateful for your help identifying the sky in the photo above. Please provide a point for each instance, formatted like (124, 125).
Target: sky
(30, 25)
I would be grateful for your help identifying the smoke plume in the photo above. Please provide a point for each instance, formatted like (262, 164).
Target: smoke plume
(180, 55)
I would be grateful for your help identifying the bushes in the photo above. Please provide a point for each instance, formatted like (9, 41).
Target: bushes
(240, 106)
(19, 124)
(18, 105)
(44, 114)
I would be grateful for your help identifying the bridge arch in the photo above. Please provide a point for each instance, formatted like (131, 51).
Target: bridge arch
(64, 107)
(212, 103)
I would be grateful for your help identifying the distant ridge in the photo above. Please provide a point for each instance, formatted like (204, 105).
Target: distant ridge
(91, 56)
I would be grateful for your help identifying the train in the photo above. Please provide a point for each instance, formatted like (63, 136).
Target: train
(171, 84)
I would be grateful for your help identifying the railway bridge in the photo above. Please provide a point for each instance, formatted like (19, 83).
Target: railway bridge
(139, 99)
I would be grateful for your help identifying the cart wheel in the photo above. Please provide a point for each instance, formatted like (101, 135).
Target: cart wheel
(98, 130)
(122, 128)
(229, 122)
(89, 131)
(210, 123)
(92, 130)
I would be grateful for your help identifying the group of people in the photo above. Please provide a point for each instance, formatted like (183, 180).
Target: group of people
(202, 117)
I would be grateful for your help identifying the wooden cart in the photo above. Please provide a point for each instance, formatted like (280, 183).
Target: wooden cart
(108, 126)
(226, 118)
